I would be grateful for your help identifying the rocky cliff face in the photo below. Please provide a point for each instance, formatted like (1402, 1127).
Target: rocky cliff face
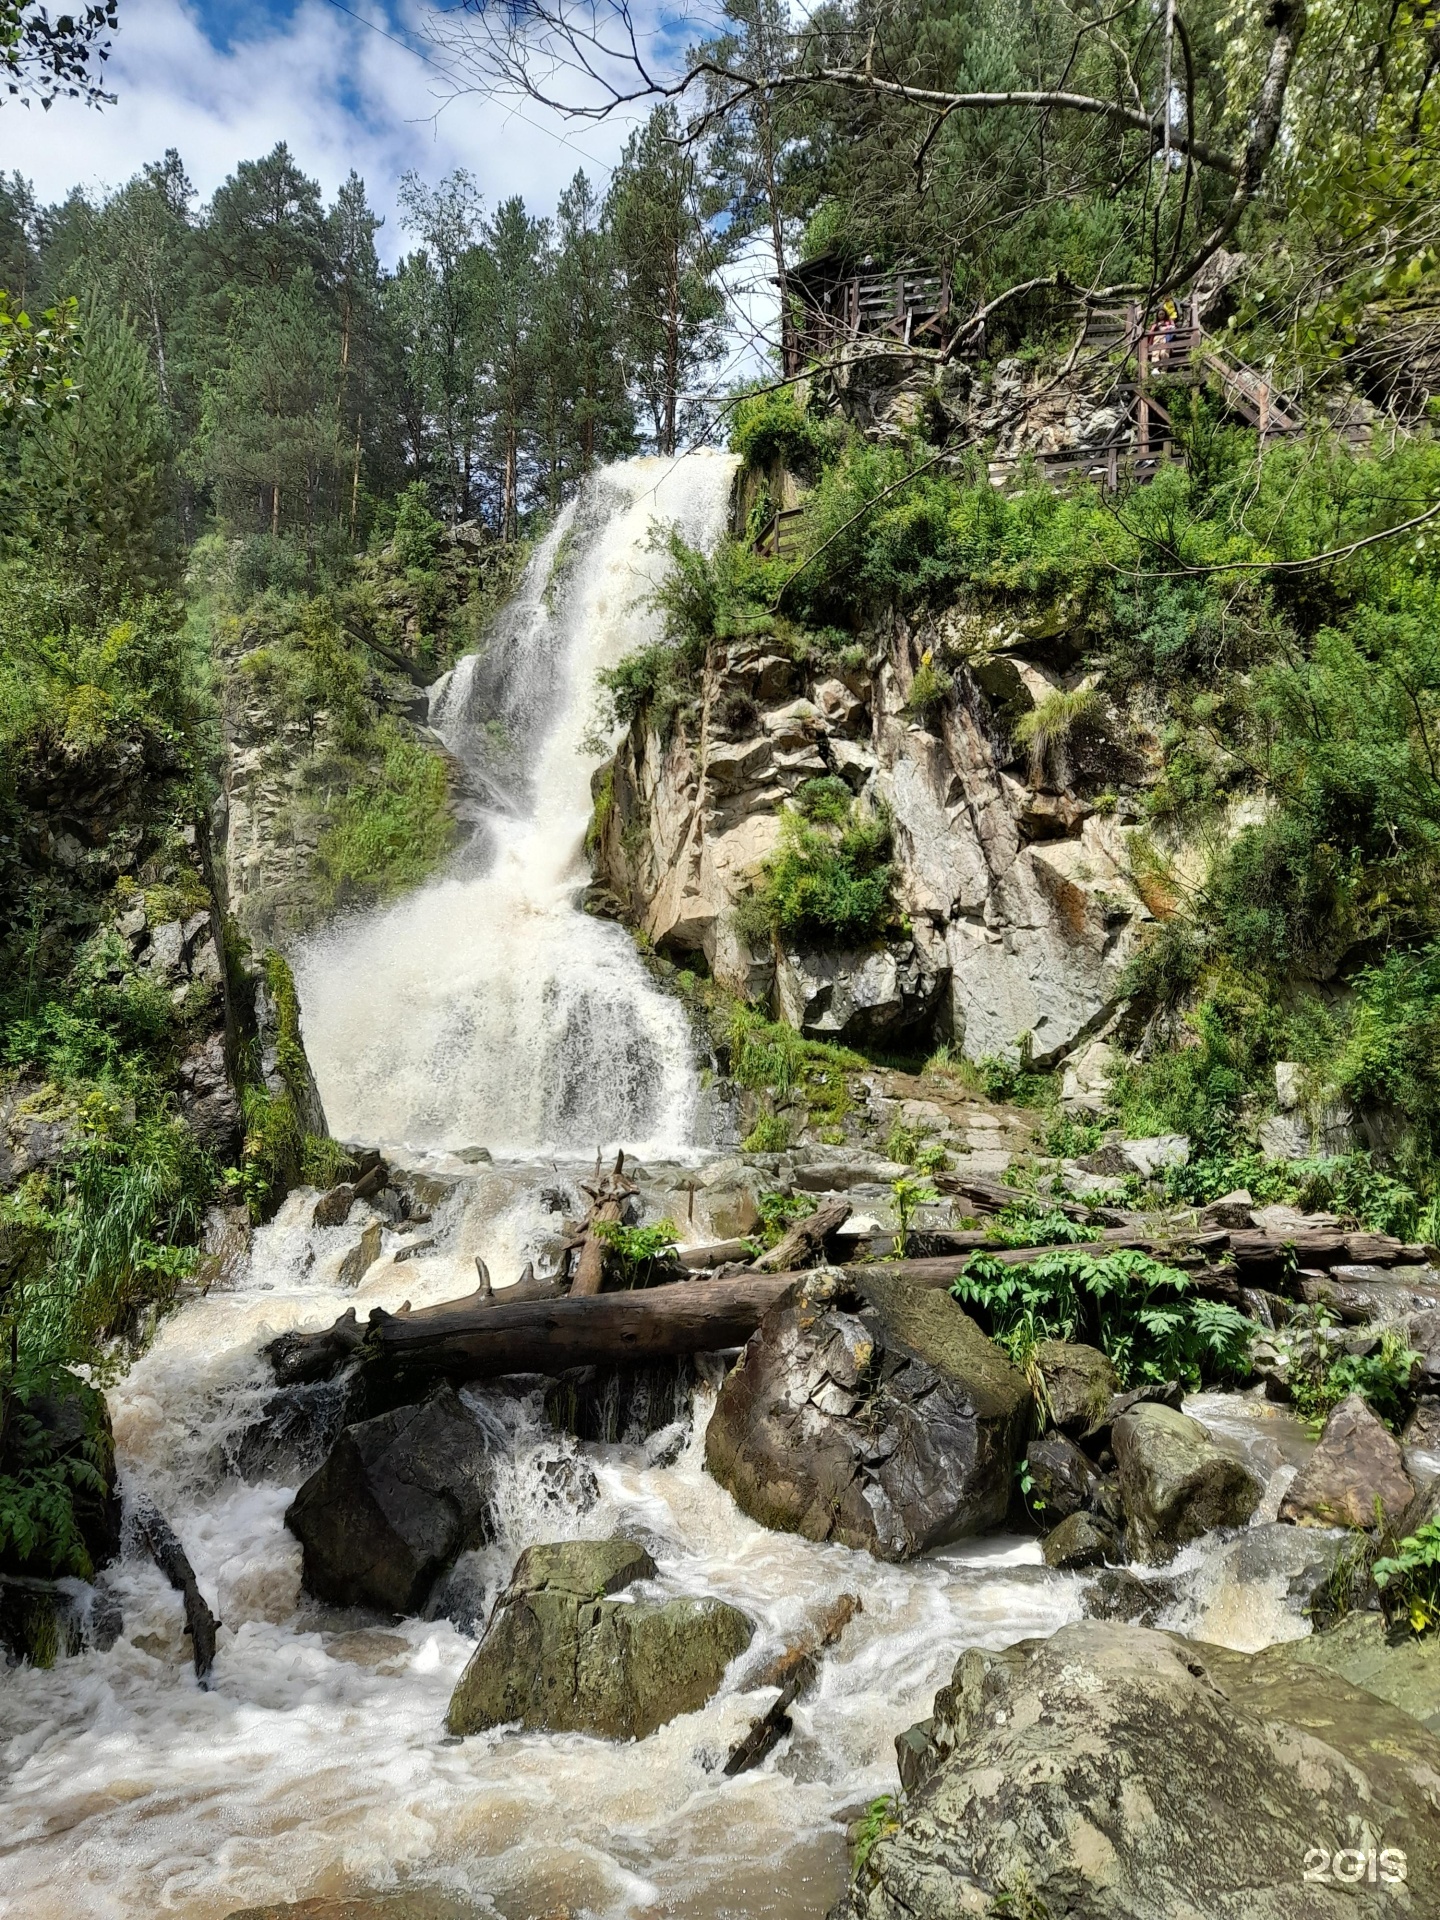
(1013, 864)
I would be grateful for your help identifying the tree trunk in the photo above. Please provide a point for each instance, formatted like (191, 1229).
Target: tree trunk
(607, 1205)
(805, 1239)
(173, 1562)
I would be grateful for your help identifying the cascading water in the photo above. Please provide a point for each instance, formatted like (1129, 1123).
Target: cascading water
(317, 1763)
(488, 1009)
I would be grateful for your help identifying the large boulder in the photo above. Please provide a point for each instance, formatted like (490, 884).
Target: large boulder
(1175, 1482)
(1060, 1480)
(861, 994)
(561, 1653)
(1357, 1465)
(1082, 1540)
(1079, 1383)
(1403, 1669)
(398, 1498)
(1116, 1773)
(872, 1413)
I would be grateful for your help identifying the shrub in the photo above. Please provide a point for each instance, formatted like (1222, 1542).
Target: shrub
(931, 687)
(639, 1255)
(1409, 1579)
(767, 1056)
(770, 427)
(770, 1134)
(828, 881)
(1141, 1312)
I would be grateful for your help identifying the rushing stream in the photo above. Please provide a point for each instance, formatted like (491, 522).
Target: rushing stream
(488, 1010)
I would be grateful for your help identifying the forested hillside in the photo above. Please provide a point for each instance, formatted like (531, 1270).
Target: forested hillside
(258, 490)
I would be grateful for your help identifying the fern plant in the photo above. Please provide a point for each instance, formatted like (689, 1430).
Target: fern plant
(1409, 1579)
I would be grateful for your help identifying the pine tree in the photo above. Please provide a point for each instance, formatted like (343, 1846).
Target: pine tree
(584, 406)
(668, 258)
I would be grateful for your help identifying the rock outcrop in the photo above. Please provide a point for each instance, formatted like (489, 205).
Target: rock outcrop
(1175, 1482)
(1356, 1476)
(396, 1500)
(1116, 1773)
(873, 1414)
(562, 1653)
(1015, 886)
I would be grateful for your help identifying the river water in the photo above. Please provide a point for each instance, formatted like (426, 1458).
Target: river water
(317, 1763)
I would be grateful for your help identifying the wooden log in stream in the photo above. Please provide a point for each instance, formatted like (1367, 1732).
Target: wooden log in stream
(173, 1561)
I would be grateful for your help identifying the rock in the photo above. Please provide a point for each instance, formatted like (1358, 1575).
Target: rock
(1360, 1293)
(1062, 1480)
(165, 956)
(297, 1428)
(1085, 1085)
(1117, 1594)
(561, 1654)
(361, 1257)
(332, 1209)
(34, 1132)
(1079, 1383)
(1116, 1773)
(872, 1414)
(1289, 1085)
(1230, 1213)
(1422, 1429)
(224, 1247)
(1245, 1589)
(399, 1497)
(1357, 1463)
(1284, 1136)
(1422, 1335)
(860, 995)
(1149, 1157)
(1083, 1540)
(1159, 1393)
(1175, 1482)
(208, 1101)
(1405, 1671)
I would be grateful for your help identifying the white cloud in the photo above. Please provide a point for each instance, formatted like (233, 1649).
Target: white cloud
(340, 94)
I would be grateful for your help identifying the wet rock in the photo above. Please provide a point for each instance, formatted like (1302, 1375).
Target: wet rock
(873, 1414)
(561, 1653)
(1082, 1540)
(297, 1428)
(1422, 1429)
(1158, 1393)
(1357, 1464)
(1401, 1668)
(1117, 1594)
(1116, 1773)
(361, 1257)
(1079, 1383)
(398, 1498)
(1295, 1564)
(1151, 1156)
(1061, 1478)
(1359, 1294)
(1422, 1335)
(332, 1209)
(620, 1403)
(1175, 1482)
(224, 1247)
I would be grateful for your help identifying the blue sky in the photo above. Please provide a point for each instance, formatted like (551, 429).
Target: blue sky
(224, 82)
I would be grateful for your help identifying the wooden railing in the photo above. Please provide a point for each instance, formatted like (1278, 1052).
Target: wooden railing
(781, 538)
(906, 306)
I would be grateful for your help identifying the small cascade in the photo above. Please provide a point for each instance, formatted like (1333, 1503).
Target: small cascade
(488, 1009)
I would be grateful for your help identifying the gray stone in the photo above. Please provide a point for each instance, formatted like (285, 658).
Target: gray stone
(1118, 1594)
(1115, 1773)
(560, 1653)
(873, 1414)
(1152, 1156)
(1289, 1085)
(1082, 1540)
(1079, 1383)
(1285, 1136)
(332, 1209)
(165, 956)
(398, 1498)
(361, 1257)
(1061, 1479)
(1085, 1084)
(1231, 1212)
(1357, 1464)
(860, 994)
(1405, 1670)
(1175, 1482)
(1359, 1294)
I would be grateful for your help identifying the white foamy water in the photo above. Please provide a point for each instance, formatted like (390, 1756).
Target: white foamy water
(318, 1763)
(487, 1009)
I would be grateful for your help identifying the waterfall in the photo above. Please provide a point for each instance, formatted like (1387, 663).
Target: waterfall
(488, 1009)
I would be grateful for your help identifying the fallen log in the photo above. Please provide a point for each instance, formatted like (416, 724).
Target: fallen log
(805, 1240)
(721, 1254)
(608, 1198)
(794, 1671)
(172, 1560)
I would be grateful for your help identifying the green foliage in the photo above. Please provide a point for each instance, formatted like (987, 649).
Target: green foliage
(909, 1196)
(770, 1134)
(767, 1056)
(1024, 1225)
(931, 687)
(1142, 1313)
(639, 1255)
(40, 1482)
(1320, 1379)
(391, 829)
(773, 428)
(881, 1819)
(778, 1213)
(827, 882)
(1409, 1579)
(909, 1144)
